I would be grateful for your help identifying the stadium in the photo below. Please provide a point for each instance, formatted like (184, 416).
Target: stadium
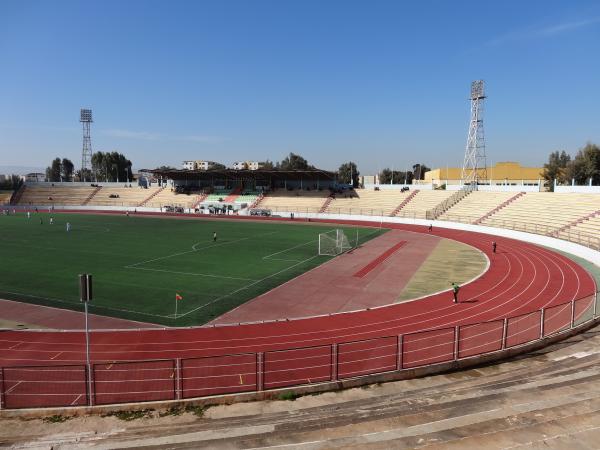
(199, 297)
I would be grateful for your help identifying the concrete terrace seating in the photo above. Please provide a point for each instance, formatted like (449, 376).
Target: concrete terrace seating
(55, 195)
(167, 197)
(5, 197)
(128, 196)
(248, 197)
(422, 202)
(544, 212)
(367, 202)
(295, 201)
(475, 205)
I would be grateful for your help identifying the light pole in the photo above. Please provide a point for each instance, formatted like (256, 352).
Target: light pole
(85, 295)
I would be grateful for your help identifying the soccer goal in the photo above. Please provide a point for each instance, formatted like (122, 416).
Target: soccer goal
(334, 242)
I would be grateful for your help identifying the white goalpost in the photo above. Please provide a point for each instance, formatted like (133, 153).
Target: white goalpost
(333, 243)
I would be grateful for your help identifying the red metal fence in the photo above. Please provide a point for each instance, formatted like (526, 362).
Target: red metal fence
(142, 381)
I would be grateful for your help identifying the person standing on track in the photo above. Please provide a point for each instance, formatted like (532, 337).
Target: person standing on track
(494, 247)
(455, 289)
(430, 227)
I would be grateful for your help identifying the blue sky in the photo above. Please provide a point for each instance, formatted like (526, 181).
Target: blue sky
(384, 83)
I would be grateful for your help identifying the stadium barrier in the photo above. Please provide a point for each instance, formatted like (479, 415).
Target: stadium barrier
(107, 383)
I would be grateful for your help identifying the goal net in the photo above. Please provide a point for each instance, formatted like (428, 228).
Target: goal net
(334, 242)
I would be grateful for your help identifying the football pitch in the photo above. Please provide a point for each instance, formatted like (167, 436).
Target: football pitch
(139, 264)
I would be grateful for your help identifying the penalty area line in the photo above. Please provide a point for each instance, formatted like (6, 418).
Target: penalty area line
(245, 287)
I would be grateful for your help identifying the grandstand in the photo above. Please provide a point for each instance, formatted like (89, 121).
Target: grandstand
(549, 212)
(122, 196)
(169, 197)
(476, 205)
(297, 201)
(367, 202)
(5, 197)
(55, 195)
(422, 202)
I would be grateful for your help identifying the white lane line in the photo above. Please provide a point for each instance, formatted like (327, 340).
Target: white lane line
(57, 355)
(9, 390)
(76, 399)
(15, 346)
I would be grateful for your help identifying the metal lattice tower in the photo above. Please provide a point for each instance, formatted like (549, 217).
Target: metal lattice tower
(474, 166)
(86, 154)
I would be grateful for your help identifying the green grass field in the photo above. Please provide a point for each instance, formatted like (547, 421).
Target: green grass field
(140, 263)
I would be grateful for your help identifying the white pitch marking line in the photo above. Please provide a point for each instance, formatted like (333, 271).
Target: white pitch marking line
(246, 287)
(192, 273)
(288, 249)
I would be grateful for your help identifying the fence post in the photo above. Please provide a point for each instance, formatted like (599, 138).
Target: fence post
(91, 384)
(504, 332)
(334, 362)
(178, 379)
(572, 313)
(260, 376)
(542, 323)
(1, 388)
(399, 356)
(456, 331)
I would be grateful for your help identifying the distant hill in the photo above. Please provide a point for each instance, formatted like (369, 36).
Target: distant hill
(20, 170)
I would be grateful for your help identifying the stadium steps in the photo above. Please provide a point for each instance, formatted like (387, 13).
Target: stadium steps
(404, 203)
(91, 196)
(258, 201)
(326, 203)
(233, 195)
(575, 223)
(498, 208)
(199, 200)
(17, 195)
(445, 205)
(151, 196)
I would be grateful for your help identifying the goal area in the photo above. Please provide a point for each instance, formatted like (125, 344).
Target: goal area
(333, 243)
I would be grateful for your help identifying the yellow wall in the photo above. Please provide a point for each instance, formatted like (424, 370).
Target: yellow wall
(512, 171)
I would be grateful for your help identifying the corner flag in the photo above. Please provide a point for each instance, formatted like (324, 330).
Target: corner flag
(178, 297)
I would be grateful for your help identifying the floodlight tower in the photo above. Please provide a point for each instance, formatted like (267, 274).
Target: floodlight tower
(86, 154)
(474, 166)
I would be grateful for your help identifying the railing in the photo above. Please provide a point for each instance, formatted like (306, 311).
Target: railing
(110, 382)
(448, 203)
(572, 235)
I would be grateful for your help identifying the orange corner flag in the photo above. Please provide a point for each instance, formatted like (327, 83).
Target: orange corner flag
(178, 297)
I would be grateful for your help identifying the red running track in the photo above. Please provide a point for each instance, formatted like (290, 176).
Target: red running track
(522, 279)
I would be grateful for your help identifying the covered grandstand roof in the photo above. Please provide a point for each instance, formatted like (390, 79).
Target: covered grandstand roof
(273, 174)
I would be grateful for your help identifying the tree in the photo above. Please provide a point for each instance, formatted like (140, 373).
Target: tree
(12, 183)
(266, 165)
(293, 162)
(585, 165)
(66, 169)
(556, 168)
(111, 166)
(419, 170)
(218, 166)
(166, 168)
(54, 171)
(348, 173)
(387, 176)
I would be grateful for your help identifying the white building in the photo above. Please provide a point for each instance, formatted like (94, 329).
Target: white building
(249, 165)
(35, 177)
(198, 165)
